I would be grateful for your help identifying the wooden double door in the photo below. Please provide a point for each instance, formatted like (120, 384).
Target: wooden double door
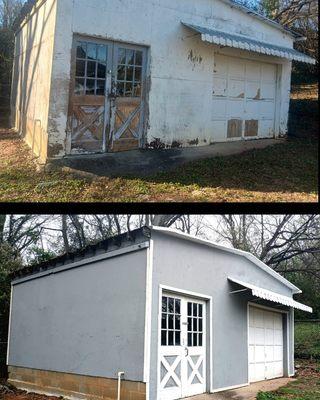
(106, 106)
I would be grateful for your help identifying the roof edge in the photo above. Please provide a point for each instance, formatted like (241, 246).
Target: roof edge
(264, 19)
(249, 256)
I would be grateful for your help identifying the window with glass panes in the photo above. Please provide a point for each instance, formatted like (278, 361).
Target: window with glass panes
(171, 321)
(129, 72)
(91, 68)
(195, 324)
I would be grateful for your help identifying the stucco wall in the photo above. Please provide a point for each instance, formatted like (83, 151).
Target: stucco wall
(31, 82)
(201, 269)
(181, 66)
(88, 320)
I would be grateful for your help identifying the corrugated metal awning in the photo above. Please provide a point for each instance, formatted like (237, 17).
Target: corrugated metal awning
(271, 296)
(246, 43)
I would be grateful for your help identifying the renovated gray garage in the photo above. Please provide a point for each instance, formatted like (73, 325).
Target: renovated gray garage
(151, 314)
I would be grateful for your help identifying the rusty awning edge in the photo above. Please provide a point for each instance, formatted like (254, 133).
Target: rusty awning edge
(266, 294)
(245, 43)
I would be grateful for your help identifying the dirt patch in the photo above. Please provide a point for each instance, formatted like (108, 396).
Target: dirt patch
(9, 392)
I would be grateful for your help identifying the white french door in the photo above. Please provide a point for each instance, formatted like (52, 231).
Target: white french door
(182, 349)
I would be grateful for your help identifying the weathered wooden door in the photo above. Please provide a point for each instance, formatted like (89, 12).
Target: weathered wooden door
(106, 102)
(127, 97)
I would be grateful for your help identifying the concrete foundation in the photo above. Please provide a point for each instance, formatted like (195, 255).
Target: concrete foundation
(73, 385)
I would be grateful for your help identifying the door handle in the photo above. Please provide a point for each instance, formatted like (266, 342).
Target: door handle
(187, 351)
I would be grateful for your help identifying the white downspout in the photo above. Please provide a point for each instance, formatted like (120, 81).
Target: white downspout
(119, 384)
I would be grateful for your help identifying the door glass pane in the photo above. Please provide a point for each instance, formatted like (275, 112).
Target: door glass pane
(177, 306)
(121, 56)
(164, 304)
(100, 87)
(177, 322)
(81, 50)
(91, 51)
(80, 68)
(200, 339)
(102, 52)
(91, 69)
(170, 321)
(195, 313)
(129, 57)
(138, 59)
(200, 310)
(170, 338)
(129, 76)
(189, 339)
(121, 73)
(170, 305)
(189, 309)
(90, 85)
(137, 74)
(195, 341)
(101, 72)
(79, 86)
(177, 338)
(164, 321)
(200, 325)
(163, 338)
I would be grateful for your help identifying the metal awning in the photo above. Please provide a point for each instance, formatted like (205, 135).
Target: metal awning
(244, 42)
(271, 296)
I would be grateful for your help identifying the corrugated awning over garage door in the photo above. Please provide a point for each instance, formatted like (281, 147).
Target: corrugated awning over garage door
(271, 296)
(246, 43)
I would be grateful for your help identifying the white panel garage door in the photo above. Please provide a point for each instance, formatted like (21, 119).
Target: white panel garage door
(244, 98)
(265, 344)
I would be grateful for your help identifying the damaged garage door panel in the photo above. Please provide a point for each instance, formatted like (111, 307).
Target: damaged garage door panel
(234, 128)
(251, 128)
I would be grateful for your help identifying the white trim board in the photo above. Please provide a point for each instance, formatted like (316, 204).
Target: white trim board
(148, 316)
(85, 261)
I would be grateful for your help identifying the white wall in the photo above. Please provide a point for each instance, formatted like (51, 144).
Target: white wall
(31, 76)
(181, 66)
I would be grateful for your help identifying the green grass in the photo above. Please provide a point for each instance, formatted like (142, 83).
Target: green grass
(306, 386)
(307, 340)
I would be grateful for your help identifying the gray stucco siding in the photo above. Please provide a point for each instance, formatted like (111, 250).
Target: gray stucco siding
(203, 269)
(88, 320)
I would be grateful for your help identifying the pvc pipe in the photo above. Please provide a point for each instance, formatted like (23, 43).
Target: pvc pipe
(119, 384)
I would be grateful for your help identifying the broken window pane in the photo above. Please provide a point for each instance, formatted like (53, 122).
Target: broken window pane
(79, 86)
(101, 72)
(129, 57)
(138, 59)
(121, 73)
(91, 69)
(102, 52)
(100, 87)
(90, 86)
(80, 68)
(137, 74)
(121, 56)
(92, 51)
(129, 74)
(81, 49)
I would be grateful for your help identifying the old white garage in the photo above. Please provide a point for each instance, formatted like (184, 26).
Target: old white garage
(144, 74)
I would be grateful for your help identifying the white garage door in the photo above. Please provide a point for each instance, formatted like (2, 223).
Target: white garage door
(265, 344)
(244, 99)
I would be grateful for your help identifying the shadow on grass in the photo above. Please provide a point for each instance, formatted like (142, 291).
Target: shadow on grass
(287, 167)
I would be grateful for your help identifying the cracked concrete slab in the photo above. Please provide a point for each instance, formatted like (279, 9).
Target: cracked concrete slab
(247, 392)
(148, 162)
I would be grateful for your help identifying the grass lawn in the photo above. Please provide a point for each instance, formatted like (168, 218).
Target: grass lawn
(307, 340)
(305, 387)
(285, 172)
